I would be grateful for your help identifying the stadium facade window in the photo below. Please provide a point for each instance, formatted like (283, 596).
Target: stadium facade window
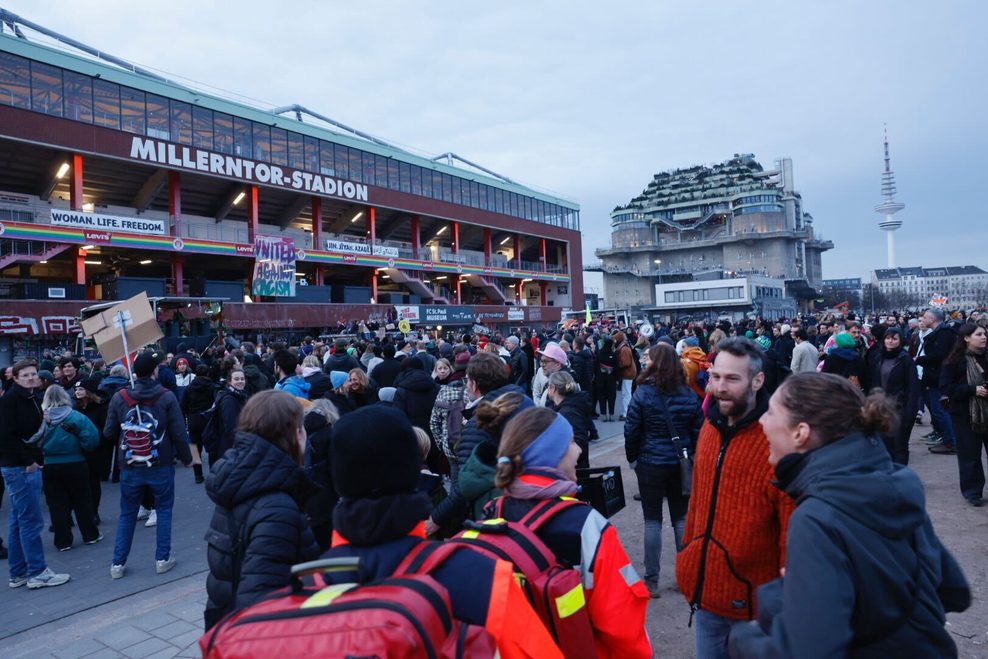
(279, 146)
(242, 138)
(437, 185)
(355, 169)
(415, 175)
(202, 128)
(181, 122)
(157, 117)
(15, 81)
(393, 176)
(426, 183)
(296, 151)
(223, 133)
(404, 177)
(381, 171)
(132, 109)
(261, 136)
(46, 89)
(456, 192)
(327, 159)
(106, 104)
(312, 154)
(78, 97)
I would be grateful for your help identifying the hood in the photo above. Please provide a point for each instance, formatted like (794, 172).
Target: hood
(506, 389)
(113, 382)
(476, 476)
(850, 354)
(694, 354)
(856, 476)
(310, 370)
(254, 466)
(415, 380)
(146, 389)
(58, 414)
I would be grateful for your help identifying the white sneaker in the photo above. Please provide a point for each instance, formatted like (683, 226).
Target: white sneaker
(117, 571)
(142, 513)
(47, 578)
(163, 566)
(152, 519)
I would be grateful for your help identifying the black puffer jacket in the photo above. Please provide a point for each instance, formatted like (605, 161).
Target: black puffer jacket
(416, 395)
(341, 361)
(581, 363)
(953, 385)
(264, 490)
(936, 347)
(577, 408)
(229, 402)
(319, 384)
(903, 382)
(646, 433)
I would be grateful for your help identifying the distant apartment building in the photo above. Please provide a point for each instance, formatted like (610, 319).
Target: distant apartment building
(721, 222)
(964, 286)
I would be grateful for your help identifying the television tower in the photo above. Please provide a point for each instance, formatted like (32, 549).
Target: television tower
(890, 206)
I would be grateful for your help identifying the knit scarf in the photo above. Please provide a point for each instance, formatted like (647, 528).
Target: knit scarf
(977, 406)
(560, 485)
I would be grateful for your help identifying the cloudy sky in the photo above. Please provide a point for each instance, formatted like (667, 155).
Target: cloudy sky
(588, 100)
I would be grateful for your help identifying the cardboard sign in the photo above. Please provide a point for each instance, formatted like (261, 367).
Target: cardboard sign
(274, 266)
(133, 316)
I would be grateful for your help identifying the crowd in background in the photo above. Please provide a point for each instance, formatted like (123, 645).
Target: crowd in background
(302, 446)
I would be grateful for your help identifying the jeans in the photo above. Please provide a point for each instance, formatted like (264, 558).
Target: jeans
(711, 634)
(161, 480)
(625, 395)
(67, 490)
(26, 553)
(939, 416)
(969, 450)
(655, 483)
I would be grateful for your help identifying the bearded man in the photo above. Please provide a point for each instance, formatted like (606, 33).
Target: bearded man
(735, 533)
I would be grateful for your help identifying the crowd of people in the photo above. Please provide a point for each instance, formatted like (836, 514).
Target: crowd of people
(775, 446)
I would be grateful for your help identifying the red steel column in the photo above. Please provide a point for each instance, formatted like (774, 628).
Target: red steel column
(487, 247)
(80, 267)
(458, 299)
(175, 202)
(517, 250)
(416, 237)
(317, 236)
(373, 283)
(521, 291)
(372, 228)
(178, 264)
(456, 237)
(75, 183)
(175, 215)
(542, 292)
(251, 213)
(542, 248)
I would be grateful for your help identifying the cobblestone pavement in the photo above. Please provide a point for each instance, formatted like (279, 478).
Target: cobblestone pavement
(150, 615)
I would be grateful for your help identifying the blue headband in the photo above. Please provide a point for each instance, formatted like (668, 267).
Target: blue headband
(549, 448)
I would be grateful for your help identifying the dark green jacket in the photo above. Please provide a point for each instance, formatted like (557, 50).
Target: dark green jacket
(69, 440)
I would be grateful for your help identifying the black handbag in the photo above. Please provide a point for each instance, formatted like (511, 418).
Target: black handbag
(682, 452)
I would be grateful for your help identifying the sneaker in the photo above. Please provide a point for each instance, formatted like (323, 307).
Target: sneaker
(653, 590)
(934, 438)
(116, 571)
(943, 449)
(17, 582)
(930, 435)
(163, 566)
(65, 548)
(94, 541)
(143, 513)
(975, 501)
(46, 579)
(152, 519)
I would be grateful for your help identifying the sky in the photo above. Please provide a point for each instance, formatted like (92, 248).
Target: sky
(589, 100)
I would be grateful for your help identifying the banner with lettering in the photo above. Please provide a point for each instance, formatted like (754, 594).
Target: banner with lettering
(274, 266)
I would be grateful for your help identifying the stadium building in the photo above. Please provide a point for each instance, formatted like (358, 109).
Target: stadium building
(114, 179)
(729, 221)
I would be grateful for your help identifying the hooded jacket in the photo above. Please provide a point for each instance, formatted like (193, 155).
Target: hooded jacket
(694, 360)
(319, 382)
(20, 411)
(70, 435)
(577, 408)
(165, 409)
(903, 382)
(416, 395)
(845, 362)
(646, 431)
(229, 402)
(259, 492)
(294, 385)
(866, 576)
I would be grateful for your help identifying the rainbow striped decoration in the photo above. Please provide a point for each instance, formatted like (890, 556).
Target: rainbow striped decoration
(47, 233)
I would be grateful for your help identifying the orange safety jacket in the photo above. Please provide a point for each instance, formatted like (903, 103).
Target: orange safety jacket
(617, 599)
(511, 621)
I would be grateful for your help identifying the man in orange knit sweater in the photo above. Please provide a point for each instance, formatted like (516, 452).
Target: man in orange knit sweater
(735, 534)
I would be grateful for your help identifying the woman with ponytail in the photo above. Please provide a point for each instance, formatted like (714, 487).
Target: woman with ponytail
(865, 574)
(963, 381)
(537, 463)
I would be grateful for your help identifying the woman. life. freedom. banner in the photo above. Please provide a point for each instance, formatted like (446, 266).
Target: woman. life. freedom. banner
(274, 266)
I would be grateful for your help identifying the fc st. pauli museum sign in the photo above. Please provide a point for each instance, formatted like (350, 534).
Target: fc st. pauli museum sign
(201, 160)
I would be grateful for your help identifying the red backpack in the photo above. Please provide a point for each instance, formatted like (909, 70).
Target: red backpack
(554, 590)
(405, 615)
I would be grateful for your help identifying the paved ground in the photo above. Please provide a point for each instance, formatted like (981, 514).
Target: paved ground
(147, 615)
